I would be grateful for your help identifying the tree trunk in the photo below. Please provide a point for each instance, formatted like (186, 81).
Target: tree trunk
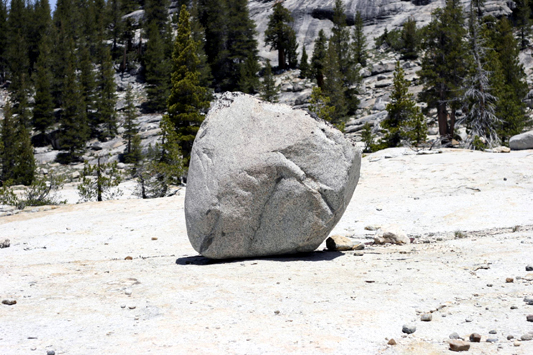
(452, 123)
(281, 59)
(442, 118)
(99, 182)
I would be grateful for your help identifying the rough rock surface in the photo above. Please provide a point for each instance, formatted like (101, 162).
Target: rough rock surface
(391, 234)
(310, 16)
(265, 179)
(522, 141)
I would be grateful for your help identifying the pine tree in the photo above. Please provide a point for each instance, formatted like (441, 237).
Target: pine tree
(74, 130)
(188, 100)
(334, 87)
(305, 69)
(3, 40)
(199, 36)
(24, 170)
(105, 104)
(248, 79)
(242, 48)
(402, 111)
(40, 26)
(480, 104)
(117, 24)
(17, 48)
(523, 22)
(410, 39)
(270, 91)
(478, 6)
(43, 107)
(88, 89)
(100, 181)
(156, 13)
(157, 71)
(318, 61)
(9, 144)
(359, 41)
(320, 105)
(279, 34)
(443, 64)
(132, 153)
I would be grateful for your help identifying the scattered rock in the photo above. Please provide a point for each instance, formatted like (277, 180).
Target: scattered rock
(391, 234)
(522, 141)
(509, 280)
(528, 300)
(128, 258)
(526, 337)
(132, 306)
(5, 244)
(50, 352)
(510, 337)
(128, 292)
(409, 328)
(529, 268)
(475, 338)
(454, 335)
(493, 332)
(501, 149)
(154, 238)
(266, 179)
(530, 318)
(468, 320)
(528, 277)
(392, 342)
(426, 317)
(514, 307)
(516, 343)
(340, 243)
(9, 302)
(373, 227)
(459, 345)
(492, 340)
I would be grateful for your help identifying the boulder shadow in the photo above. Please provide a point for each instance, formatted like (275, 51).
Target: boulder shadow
(312, 256)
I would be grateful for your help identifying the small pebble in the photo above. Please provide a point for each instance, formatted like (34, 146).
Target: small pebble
(489, 285)
(514, 307)
(530, 318)
(392, 342)
(154, 238)
(516, 343)
(509, 280)
(493, 332)
(526, 337)
(9, 302)
(128, 258)
(510, 337)
(122, 306)
(528, 300)
(459, 345)
(529, 268)
(409, 328)
(128, 292)
(132, 307)
(276, 312)
(50, 352)
(468, 320)
(475, 338)
(426, 317)
(454, 335)
(492, 340)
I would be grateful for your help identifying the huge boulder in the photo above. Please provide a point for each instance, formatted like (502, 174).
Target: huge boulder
(266, 179)
(522, 141)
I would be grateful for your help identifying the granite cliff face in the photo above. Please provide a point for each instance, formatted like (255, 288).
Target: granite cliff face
(310, 16)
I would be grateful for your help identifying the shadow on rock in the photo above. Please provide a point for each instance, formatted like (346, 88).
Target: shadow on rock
(314, 256)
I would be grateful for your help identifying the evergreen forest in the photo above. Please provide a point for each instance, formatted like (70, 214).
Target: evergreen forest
(58, 68)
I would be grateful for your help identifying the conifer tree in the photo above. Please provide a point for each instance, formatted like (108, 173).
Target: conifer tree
(105, 104)
(199, 36)
(117, 24)
(523, 22)
(40, 26)
(443, 64)
(334, 87)
(88, 88)
(402, 111)
(17, 44)
(279, 34)
(242, 48)
(43, 107)
(249, 81)
(340, 40)
(270, 91)
(24, 170)
(318, 61)
(320, 105)
(132, 153)
(188, 100)
(359, 41)
(156, 12)
(410, 39)
(157, 71)
(480, 104)
(9, 146)
(74, 130)
(3, 40)
(305, 69)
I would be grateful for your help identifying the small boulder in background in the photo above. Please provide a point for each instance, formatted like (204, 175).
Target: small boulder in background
(391, 234)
